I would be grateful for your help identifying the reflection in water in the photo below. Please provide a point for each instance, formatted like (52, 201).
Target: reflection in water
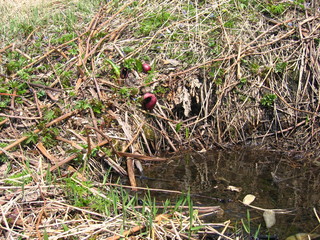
(276, 180)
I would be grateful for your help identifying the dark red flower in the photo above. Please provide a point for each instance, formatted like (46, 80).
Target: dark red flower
(146, 68)
(149, 101)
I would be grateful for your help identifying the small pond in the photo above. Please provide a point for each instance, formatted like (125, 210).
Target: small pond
(277, 180)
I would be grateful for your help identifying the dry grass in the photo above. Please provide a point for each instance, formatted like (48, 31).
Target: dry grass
(26, 9)
(41, 211)
(227, 72)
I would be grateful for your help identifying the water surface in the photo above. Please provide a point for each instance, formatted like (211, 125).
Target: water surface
(277, 180)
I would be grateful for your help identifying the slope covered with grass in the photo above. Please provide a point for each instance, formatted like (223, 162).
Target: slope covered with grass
(71, 81)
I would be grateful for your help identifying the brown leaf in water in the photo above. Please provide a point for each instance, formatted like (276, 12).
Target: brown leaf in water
(269, 217)
(234, 189)
(303, 236)
(248, 199)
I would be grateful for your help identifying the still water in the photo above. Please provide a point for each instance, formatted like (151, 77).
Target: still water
(279, 181)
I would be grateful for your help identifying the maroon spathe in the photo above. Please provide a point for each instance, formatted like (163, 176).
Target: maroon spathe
(149, 101)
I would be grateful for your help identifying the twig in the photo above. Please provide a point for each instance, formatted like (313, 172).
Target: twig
(287, 104)
(22, 53)
(105, 136)
(20, 140)
(141, 157)
(4, 121)
(60, 163)
(134, 138)
(94, 49)
(138, 228)
(110, 161)
(6, 47)
(44, 151)
(19, 117)
(278, 132)
(147, 189)
(317, 216)
(43, 86)
(72, 143)
(130, 170)
(165, 134)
